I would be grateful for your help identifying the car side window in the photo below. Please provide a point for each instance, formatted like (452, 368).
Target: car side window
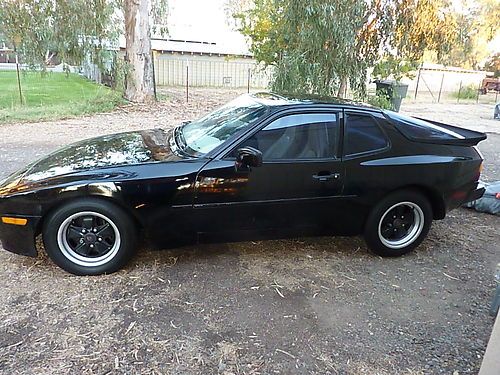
(420, 129)
(362, 135)
(297, 137)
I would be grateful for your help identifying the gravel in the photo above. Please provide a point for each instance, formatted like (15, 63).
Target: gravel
(299, 306)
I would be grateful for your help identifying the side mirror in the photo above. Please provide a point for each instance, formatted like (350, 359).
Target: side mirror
(248, 157)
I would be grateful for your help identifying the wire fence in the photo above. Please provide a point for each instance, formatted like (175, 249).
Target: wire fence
(448, 86)
(433, 85)
(441, 85)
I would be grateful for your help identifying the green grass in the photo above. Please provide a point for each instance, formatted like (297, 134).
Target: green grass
(466, 92)
(52, 96)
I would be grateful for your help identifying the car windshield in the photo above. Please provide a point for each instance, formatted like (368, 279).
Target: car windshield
(202, 136)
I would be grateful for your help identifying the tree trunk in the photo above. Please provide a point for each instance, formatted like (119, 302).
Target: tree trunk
(342, 88)
(139, 75)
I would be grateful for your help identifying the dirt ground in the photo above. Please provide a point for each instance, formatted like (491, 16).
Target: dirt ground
(299, 306)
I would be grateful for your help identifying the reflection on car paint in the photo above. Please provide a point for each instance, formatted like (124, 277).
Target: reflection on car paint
(112, 150)
(217, 185)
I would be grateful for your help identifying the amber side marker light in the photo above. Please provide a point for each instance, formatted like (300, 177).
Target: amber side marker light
(14, 220)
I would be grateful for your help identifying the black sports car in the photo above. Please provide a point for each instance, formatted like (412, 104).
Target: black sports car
(261, 166)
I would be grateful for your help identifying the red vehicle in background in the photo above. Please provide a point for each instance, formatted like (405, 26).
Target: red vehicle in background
(489, 84)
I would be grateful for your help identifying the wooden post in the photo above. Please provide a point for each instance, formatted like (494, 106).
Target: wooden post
(19, 80)
(187, 81)
(154, 74)
(459, 90)
(440, 88)
(248, 83)
(418, 81)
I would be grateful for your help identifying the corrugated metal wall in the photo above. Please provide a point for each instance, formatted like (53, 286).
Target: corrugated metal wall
(209, 71)
(220, 71)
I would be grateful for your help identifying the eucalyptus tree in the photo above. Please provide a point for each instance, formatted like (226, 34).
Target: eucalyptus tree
(492, 64)
(478, 24)
(139, 83)
(320, 46)
(76, 30)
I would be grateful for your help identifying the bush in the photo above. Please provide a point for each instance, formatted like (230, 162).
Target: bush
(380, 100)
(467, 92)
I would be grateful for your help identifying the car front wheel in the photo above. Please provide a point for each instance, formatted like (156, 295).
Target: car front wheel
(89, 237)
(399, 223)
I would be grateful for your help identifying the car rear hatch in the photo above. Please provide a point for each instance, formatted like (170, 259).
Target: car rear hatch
(429, 131)
(468, 137)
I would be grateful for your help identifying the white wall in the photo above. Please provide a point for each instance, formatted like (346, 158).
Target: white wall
(431, 80)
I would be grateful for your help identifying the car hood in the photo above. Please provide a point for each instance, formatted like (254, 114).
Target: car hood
(120, 149)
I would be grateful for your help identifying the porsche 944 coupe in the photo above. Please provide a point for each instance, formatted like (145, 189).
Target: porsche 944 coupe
(262, 166)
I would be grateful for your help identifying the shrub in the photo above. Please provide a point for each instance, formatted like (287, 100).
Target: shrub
(380, 100)
(467, 92)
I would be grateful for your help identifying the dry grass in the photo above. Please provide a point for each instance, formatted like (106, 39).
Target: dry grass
(301, 306)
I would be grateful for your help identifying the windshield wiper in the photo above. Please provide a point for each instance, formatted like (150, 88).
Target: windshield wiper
(180, 141)
(179, 138)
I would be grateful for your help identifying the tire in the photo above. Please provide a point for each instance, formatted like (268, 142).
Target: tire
(398, 223)
(89, 237)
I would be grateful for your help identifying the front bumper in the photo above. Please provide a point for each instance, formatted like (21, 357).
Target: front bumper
(20, 239)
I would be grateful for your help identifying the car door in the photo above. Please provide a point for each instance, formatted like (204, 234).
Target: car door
(295, 189)
(365, 139)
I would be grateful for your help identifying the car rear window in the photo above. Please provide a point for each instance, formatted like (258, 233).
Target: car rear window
(420, 129)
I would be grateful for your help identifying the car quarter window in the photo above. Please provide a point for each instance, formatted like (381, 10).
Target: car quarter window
(362, 134)
(420, 129)
(297, 137)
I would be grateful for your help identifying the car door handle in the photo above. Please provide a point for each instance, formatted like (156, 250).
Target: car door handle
(326, 177)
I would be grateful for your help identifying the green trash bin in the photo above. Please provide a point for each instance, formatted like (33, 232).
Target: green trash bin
(396, 91)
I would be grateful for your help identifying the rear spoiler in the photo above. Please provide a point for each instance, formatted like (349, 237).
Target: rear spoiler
(470, 137)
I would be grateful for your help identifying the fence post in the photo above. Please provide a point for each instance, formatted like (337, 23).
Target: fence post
(459, 90)
(478, 91)
(418, 81)
(19, 79)
(441, 87)
(187, 81)
(248, 83)
(154, 73)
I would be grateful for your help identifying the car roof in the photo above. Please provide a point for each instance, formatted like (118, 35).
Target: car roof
(289, 100)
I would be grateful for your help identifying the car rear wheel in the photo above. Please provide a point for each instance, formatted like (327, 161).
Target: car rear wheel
(399, 223)
(89, 237)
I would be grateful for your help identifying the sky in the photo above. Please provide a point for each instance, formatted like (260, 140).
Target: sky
(203, 20)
